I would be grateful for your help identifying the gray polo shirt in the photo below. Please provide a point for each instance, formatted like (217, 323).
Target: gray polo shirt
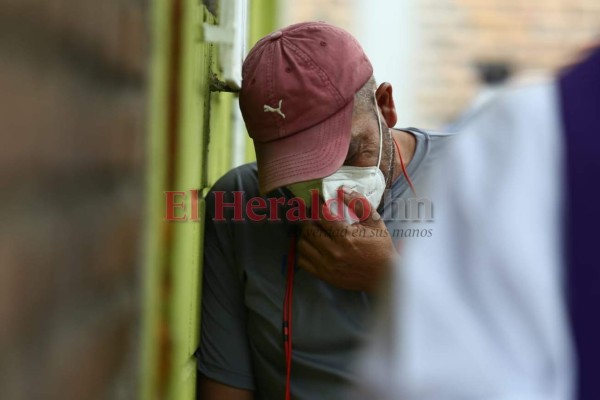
(243, 290)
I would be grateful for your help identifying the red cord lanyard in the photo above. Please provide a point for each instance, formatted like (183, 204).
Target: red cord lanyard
(412, 187)
(289, 290)
(287, 314)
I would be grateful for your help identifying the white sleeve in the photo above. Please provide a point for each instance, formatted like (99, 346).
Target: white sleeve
(477, 311)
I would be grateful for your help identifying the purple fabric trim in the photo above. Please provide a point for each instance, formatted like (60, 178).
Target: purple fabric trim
(580, 107)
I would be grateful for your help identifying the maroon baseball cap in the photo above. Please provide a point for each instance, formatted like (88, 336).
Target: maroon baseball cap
(297, 97)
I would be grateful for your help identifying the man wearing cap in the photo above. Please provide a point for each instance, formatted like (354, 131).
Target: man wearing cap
(318, 121)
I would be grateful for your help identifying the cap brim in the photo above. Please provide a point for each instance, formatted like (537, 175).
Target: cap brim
(313, 153)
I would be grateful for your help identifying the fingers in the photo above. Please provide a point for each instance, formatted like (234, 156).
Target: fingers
(357, 203)
(313, 248)
(358, 207)
(317, 235)
(308, 256)
(330, 223)
(329, 220)
(365, 212)
(354, 204)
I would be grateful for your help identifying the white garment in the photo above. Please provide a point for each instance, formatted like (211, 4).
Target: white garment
(477, 311)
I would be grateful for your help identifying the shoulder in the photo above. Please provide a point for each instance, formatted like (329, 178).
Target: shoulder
(432, 138)
(429, 133)
(237, 186)
(430, 143)
(244, 177)
(239, 179)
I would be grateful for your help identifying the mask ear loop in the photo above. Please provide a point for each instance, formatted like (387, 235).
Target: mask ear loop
(412, 187)
(380, 130)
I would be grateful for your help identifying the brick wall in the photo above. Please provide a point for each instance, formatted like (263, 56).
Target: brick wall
(528, 36)
(72, 100)
(454, 35)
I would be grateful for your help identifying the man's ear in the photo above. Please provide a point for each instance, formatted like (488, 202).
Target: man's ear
(383, 94)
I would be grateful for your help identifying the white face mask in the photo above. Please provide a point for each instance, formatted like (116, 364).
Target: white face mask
(368, 181)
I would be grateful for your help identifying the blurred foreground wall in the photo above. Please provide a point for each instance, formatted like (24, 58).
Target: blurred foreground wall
(72, 121)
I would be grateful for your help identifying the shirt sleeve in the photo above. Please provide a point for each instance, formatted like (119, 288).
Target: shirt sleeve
(224, 354)
(477, 310)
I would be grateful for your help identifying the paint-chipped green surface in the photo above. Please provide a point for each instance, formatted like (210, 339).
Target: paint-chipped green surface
(189, 147)
(190, 173)
(173, 250)
(221, 135)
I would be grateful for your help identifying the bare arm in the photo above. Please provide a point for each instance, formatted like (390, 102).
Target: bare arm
(213, 390)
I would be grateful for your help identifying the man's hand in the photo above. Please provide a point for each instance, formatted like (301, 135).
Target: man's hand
(354, 257)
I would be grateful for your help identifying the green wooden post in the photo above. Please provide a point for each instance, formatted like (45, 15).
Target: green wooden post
(180, 122)
(190, 172)
(263, 19)
(189, 147)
